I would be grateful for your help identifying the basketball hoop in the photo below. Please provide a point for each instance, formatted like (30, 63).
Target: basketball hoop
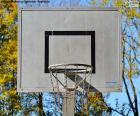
(72, 72)
(72, 68)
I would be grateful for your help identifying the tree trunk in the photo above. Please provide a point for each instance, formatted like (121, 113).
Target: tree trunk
(40, 105)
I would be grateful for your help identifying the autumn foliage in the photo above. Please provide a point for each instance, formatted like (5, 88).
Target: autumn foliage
(9, 98)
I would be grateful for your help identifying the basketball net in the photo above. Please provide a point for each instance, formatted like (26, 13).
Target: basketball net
(78, 74)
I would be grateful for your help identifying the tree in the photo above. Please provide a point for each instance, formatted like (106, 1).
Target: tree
(12, 103)
(8, 59)
(130, 51)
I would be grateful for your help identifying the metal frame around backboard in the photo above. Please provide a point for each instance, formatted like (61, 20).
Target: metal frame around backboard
(19, 76)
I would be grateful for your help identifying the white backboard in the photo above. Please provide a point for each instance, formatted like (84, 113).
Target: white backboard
(61, 36)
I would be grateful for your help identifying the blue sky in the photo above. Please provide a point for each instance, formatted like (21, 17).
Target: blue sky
(122, 97)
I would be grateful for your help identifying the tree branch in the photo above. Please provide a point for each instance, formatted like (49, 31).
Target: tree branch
(126, 88)
(116, 111)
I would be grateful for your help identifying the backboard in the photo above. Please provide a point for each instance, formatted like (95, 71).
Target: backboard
(68, 36)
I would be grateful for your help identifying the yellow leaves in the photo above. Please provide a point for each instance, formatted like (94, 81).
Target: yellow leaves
(13, 6)
(5, 78)
(119, 3)
(8, 59)
(105, 1)
(100, 3)
(8, 55)
(132, 69)
(129, 73)
(2, 97)
(12, 32)
(9, 5)
(1, 11)
(8, 14)
(10, 92)
(8, 19)
(17, 106)
(137, 14)
(131, 13)
(2, 80)
(9, 49)
(93, 2)
(139, 36)
(96, 101)
(92, 98)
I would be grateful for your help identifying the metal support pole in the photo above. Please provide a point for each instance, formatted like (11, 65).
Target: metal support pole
(69, 103)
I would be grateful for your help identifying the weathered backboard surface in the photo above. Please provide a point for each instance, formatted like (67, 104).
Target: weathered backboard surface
(65, 36)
